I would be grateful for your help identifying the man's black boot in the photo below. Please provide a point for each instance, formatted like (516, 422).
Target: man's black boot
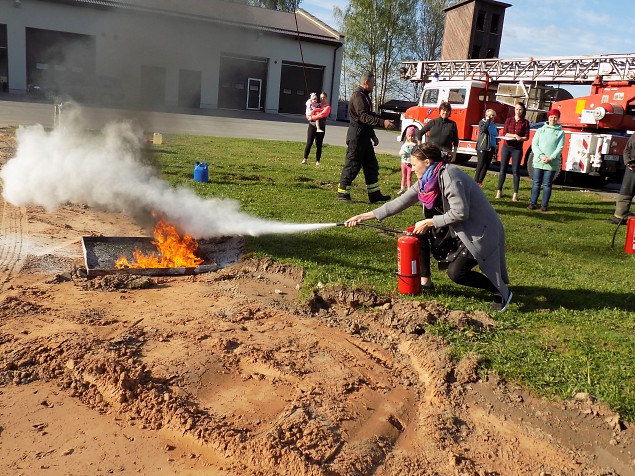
(345, 197)
(376, 197)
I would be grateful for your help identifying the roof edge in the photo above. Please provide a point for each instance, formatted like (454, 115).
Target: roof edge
(320, 24)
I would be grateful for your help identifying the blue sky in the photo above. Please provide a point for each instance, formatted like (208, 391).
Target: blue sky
(547, 27)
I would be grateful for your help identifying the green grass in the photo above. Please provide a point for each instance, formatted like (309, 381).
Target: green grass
(571, 325)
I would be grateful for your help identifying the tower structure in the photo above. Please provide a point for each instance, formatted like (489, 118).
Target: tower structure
(473, 29)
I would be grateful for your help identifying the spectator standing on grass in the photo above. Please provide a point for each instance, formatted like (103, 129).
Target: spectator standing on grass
(515, 131)
(404, 153)
(360, 139)
(442, 131)
(317, 129)
(466, 212)
(485, 145)
(627, 190)
(547, 148)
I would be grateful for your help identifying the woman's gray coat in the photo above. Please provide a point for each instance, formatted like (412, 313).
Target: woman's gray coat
(470, 216)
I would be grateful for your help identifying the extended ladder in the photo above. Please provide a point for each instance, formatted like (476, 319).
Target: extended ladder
(556, 69)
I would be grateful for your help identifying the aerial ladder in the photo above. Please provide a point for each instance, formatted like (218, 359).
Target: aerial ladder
(556, 69)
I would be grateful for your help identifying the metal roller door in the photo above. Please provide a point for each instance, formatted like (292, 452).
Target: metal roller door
(293, 88)
(243, 82)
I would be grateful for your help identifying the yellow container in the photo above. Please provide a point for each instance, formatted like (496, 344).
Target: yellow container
(157, 138)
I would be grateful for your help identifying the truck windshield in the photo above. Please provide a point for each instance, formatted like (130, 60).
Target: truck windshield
(457, 96)
(430, 96)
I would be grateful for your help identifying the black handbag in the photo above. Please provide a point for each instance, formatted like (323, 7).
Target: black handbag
(444, 247)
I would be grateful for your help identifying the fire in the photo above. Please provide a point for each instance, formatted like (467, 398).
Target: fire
(174, 251)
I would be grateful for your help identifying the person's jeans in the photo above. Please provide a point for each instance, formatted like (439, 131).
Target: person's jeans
(516, 155)
(542, 178)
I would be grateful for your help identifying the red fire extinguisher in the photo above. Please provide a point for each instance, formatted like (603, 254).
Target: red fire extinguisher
(409, 265)
(629, 246)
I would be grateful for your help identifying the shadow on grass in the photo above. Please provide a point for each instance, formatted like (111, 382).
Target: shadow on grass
(587, 210)
(335, 248)
(532, 299)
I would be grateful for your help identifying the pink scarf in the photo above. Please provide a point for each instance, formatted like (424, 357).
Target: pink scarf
(429, 188)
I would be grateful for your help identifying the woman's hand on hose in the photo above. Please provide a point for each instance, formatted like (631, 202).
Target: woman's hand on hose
(421, 227)
(357, 219)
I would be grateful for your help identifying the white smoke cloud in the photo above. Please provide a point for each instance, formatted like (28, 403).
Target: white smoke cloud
(105, 170)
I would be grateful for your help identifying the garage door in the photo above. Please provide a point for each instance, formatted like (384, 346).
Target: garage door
(294, 91)
(4, 70)
(243, 82)
(58, 57)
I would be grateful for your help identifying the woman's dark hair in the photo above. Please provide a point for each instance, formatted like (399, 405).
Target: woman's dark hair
(429, 151)
(522, 114)
(445, 105)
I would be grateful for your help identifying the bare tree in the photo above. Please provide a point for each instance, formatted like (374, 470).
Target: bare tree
(280, 5)
(430, 26)
(377, 31)
(427, 39)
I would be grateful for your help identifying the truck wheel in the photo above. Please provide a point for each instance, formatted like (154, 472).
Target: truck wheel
(558, 179)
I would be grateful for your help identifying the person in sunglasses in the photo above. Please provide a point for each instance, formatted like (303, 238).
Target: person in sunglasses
(465, 210)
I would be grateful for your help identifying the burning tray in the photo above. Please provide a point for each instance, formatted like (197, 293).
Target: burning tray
(101, 253)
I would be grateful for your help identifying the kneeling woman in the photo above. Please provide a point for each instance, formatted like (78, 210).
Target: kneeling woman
(468, 214)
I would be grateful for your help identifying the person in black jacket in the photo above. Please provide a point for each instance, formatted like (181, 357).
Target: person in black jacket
(360, 138)
(441, 131)
(627, 190)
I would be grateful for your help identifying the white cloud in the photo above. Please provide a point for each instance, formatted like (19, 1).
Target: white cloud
(567, 28)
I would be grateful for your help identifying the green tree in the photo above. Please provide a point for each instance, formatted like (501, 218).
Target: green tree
(377, 32)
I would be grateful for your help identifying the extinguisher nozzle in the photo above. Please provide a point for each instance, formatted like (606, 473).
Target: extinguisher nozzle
(342, 223)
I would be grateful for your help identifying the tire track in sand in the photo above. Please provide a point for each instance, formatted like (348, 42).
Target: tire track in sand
(13, 248)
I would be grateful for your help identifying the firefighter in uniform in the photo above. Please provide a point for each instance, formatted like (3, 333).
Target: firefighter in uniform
(360, 153)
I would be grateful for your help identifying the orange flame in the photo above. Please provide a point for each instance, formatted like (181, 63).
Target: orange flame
(174, 251)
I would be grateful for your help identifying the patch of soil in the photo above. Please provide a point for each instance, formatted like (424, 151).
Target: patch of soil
(228, 373)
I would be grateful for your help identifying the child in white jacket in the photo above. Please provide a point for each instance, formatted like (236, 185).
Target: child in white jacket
(313, 106)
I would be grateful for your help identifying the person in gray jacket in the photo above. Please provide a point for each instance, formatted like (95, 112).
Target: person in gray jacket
(467, 213)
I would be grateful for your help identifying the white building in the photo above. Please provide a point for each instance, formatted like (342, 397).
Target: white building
(171, 53)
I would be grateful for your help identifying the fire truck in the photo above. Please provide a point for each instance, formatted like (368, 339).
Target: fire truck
(596, 126)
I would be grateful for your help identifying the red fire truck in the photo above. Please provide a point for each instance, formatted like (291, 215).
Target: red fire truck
(596, 126)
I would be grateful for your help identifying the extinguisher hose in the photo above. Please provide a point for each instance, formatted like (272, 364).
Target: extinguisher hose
(387, 230)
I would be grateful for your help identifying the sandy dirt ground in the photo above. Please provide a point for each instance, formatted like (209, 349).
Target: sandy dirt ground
(229, 373)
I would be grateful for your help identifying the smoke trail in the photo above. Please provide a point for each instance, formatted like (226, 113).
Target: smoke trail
(105, 171)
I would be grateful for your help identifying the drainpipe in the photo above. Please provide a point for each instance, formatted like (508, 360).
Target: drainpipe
(333, 79)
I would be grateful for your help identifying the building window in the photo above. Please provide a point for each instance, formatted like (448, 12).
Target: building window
(491, 53)
(495, 22)
(480, 20)
(476, 51)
